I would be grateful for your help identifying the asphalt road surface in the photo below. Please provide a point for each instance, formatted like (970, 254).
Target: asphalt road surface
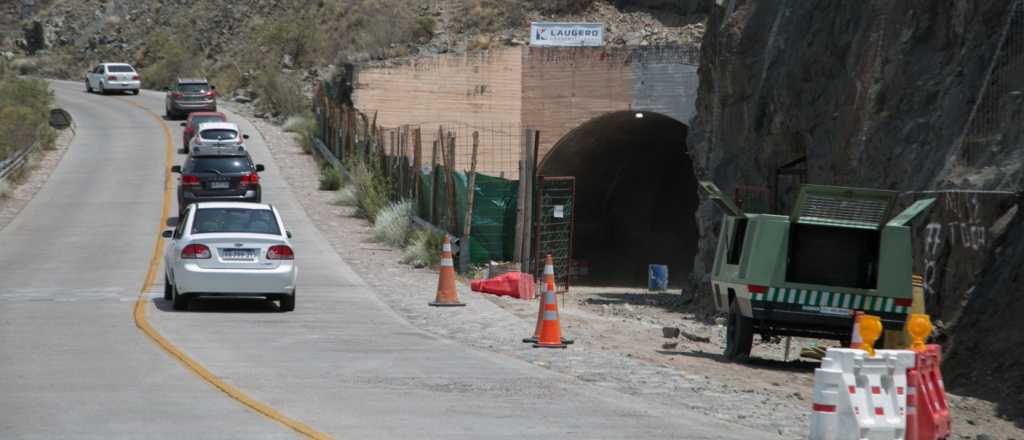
(73, 364)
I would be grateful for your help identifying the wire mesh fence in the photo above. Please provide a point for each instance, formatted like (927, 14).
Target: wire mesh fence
(432, 165)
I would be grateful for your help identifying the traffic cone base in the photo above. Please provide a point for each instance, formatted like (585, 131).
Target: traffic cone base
(447, 295)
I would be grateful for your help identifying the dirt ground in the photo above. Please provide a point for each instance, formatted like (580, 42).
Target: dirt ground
(621, 327)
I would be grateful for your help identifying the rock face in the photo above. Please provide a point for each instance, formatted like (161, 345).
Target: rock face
(905, 95)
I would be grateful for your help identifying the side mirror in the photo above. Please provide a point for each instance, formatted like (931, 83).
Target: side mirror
(245, 136)
(167, 233)
(213, 87)
(167, 89)
(260, 168)
(176, 169)
(183, 124)
(289, 233)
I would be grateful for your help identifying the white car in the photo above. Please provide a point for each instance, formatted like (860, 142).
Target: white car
(213, 136)
(109, 77)
(229, 249)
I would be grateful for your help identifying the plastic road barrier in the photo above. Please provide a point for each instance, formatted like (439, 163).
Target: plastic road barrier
(514, 284)
(927, 411)
(860, 397)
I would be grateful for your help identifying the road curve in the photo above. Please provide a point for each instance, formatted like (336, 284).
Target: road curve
(73, 364)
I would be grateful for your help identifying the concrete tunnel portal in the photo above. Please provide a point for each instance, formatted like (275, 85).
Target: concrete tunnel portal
(636, 195)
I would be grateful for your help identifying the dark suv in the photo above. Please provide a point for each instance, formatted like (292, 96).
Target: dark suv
(218, 178)
(188, 95)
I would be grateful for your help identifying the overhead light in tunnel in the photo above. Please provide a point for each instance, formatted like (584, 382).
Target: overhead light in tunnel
(639, 115)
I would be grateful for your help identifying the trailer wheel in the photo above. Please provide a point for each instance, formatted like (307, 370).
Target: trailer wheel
(739, 335)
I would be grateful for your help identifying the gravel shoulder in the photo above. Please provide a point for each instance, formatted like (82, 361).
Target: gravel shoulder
(32, 177)
(618, 331)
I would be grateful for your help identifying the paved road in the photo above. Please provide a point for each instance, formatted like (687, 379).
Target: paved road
(73, 364)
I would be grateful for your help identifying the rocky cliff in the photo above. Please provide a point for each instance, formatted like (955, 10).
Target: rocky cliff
(912, 96)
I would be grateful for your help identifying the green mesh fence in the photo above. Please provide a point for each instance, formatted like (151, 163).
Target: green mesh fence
(494, 212)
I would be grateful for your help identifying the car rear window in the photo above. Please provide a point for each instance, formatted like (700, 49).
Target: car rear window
(120, 69)
(192, 88)
(196, 120)
(241, 220)
(219, 134)
(219, 164)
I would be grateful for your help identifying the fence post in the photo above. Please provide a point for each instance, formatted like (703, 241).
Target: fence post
(524, 222)
(453, 213)
(417, 163)
(435, 180)
(464, 250)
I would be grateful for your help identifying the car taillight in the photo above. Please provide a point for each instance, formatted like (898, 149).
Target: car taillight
(280, 252)
(211, 93)
(111, 78)
(135, 77)
(250, 179)
(176, 95)
(195, 252)
(188, 180)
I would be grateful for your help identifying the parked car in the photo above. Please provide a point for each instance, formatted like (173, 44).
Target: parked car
(217, 135)
(230, 249)
(188, 95)
(110, 77)
(218, 175)
(193, 122)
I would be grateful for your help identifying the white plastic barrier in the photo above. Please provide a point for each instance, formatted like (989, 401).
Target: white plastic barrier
(858, 397)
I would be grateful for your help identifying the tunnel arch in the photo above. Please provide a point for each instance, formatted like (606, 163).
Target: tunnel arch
(636, 196)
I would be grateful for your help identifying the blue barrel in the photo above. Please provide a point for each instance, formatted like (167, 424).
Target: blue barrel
(657, 277)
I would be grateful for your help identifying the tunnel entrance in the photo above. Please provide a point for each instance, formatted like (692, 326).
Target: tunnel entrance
(636, 196)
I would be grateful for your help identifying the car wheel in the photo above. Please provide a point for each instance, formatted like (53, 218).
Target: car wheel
(88, 87)
(135, 92)
(179, 300)
(168, 289)
(739, 335)
(103, 91)
(287, 302)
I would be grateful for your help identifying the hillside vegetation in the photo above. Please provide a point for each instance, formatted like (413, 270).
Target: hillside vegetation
(270, 49)
(24, 110)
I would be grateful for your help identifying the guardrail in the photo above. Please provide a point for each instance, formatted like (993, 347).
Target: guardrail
(16, 161)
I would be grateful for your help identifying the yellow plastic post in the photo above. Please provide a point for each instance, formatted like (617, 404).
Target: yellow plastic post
(870, 331)
(919, 326)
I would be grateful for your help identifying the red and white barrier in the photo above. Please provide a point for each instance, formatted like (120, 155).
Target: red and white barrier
(859, 397)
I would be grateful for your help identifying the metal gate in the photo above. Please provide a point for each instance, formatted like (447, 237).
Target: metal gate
(556, 203)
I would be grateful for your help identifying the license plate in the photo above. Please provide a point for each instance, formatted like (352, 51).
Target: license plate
(238, 254)
(828, 310)
(220, 185)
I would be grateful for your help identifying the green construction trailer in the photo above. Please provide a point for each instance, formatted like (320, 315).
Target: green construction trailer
(805, 274)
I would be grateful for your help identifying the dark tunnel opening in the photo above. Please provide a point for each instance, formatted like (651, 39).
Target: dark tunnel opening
(636, 196)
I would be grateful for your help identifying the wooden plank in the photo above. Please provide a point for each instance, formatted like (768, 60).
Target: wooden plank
(470, 193)
(527, 178)
(453, 213)
(434, 179)
(417, 161)
(517, 247)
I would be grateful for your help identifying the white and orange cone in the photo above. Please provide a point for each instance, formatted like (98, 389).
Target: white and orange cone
(447, 294)
(549, 331)
(856, 341)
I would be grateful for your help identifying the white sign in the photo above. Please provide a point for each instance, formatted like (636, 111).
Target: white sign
(559, 211)
(548, 34)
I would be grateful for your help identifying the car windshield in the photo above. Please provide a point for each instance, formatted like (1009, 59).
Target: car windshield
(219, 165)
(196, 120)
(219, 134)
(242, 220)
(120, 69)
(193, 88)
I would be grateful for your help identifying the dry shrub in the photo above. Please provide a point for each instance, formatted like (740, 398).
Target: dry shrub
(279, 93)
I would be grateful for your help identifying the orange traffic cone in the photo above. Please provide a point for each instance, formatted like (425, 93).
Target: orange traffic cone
(550, 335)
(447, 295)
(549, 287)
(855, 339)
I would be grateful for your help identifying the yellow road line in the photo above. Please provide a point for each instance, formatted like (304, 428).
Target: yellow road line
(191, 364)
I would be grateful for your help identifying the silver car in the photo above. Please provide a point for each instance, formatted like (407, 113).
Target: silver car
(113, 77)
(188, 95)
